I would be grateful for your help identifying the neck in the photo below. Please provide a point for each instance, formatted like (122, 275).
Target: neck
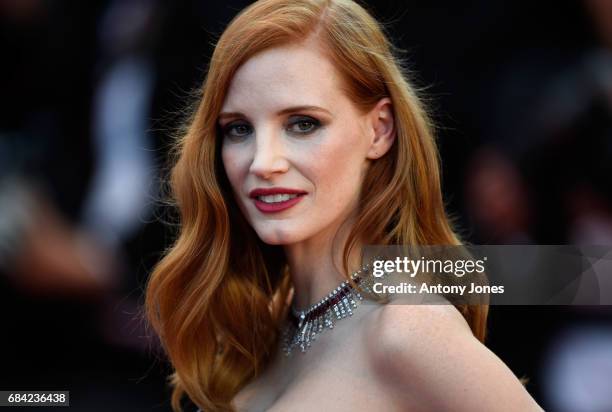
(315, 265)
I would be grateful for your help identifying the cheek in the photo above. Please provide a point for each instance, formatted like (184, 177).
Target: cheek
(232, 164)
(338, 169)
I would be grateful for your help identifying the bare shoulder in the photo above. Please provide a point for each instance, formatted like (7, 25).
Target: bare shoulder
(411, 331)
(427, 355)
(401, 321)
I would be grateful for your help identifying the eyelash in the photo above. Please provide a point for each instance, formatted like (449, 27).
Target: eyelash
(229, 128)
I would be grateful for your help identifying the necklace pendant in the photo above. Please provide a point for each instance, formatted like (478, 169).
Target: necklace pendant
(305, 325)
(301, 321)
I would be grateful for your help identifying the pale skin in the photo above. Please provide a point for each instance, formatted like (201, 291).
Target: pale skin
(287, 123)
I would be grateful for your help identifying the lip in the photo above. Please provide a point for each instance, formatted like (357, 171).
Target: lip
(262, 191)
(275, 207)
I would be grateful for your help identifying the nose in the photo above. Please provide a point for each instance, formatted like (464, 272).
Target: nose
(269, 156)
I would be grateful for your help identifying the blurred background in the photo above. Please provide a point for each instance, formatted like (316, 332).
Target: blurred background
(91, 91)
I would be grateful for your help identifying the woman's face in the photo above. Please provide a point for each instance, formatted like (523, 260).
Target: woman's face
(289, 131)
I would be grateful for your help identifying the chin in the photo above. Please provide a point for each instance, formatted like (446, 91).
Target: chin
(277, 236)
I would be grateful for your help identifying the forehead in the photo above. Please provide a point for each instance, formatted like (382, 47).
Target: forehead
(282, 76)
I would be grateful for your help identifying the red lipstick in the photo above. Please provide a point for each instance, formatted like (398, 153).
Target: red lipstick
(265, 207)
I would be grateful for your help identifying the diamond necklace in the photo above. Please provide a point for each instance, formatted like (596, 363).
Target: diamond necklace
(304, 325)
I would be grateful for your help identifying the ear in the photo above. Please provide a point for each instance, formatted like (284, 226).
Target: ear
(382, 126)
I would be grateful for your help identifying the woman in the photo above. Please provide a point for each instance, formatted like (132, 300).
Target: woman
(308, 144)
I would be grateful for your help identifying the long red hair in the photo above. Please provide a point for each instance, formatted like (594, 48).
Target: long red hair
(218, 296)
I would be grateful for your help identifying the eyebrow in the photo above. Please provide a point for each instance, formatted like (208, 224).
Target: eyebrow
(288, 110)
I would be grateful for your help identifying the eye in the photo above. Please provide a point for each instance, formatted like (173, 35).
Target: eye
(303, 125)
(237, 130)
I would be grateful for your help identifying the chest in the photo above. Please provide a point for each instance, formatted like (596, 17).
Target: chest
(334, 374)
(333, 386)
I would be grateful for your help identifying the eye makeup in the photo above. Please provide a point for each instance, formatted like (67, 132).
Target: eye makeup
(301, 124)
(296, 125)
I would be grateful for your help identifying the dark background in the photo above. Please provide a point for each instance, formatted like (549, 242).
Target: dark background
(522, 95)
